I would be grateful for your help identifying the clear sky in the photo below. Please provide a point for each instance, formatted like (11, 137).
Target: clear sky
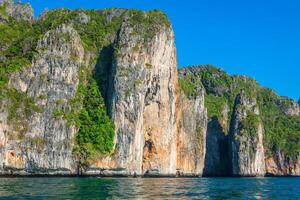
(259, 38)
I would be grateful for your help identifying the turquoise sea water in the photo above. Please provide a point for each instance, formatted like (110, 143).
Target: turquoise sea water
(149, 188)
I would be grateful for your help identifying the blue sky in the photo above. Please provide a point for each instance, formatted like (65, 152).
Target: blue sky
(259, 38)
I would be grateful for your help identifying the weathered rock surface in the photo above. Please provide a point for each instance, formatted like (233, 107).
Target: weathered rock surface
(43, 144)
(291, 109)
(141, 102)
(191, 139)
(280, 165)
(246, 139)
(162, 128)
(19, 11)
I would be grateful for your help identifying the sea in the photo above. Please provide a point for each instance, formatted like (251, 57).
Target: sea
(149, 188)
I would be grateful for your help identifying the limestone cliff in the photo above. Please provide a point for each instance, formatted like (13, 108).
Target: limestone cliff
(281, 165)
(215, 160)
(246, 139)
(141, 98)
(89, 92)
(251, 130)
(191, 138)
(41, 143)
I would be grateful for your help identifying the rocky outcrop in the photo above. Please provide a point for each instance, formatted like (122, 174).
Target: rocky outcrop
(43, 143)
(19, 11)
(141, 102)
(291, 108)
(246, 139)
(191, 138)
(141, 92)
(202, 123)
(280, 165)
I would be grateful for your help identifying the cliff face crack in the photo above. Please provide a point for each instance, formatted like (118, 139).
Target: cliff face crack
(149, 153)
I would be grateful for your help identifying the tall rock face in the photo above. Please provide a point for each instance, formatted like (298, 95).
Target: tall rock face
(141, 100)
(42, 142)
(245, 136)
(55, 72)
(191, 138)
(19, 11)
(278, 163)
(138, 81)
(246, 139)
(215, 159)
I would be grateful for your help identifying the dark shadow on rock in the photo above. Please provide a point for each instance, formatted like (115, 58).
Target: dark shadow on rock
(230, 135)
(217, 158)
(103, 73)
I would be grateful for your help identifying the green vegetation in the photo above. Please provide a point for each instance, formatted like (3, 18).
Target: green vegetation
(87, 111)
(94, 34)
(281, 132)
(17, 50)
(14, 54)
(3, 10)
(214, 105)
(65, 36)
(187, 86)
(137, 82)
(128, 92)
(18, 42)
(20, 107)
(250, 124)
(148, 66)
(58, 113)
(248, 127)
(21, 100)
(18, 39)
(221, 88)
(96, 131)
(146, 25)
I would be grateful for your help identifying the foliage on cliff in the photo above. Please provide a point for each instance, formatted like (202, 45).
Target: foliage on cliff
(146, 25)
(15, 45)
(96, 131)
(97, 30)
(250, 124)
(221, 88)
(18, 38)
(281, 131)
(17, 48)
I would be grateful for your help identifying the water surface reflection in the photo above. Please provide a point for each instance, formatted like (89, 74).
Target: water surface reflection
(150, 188)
